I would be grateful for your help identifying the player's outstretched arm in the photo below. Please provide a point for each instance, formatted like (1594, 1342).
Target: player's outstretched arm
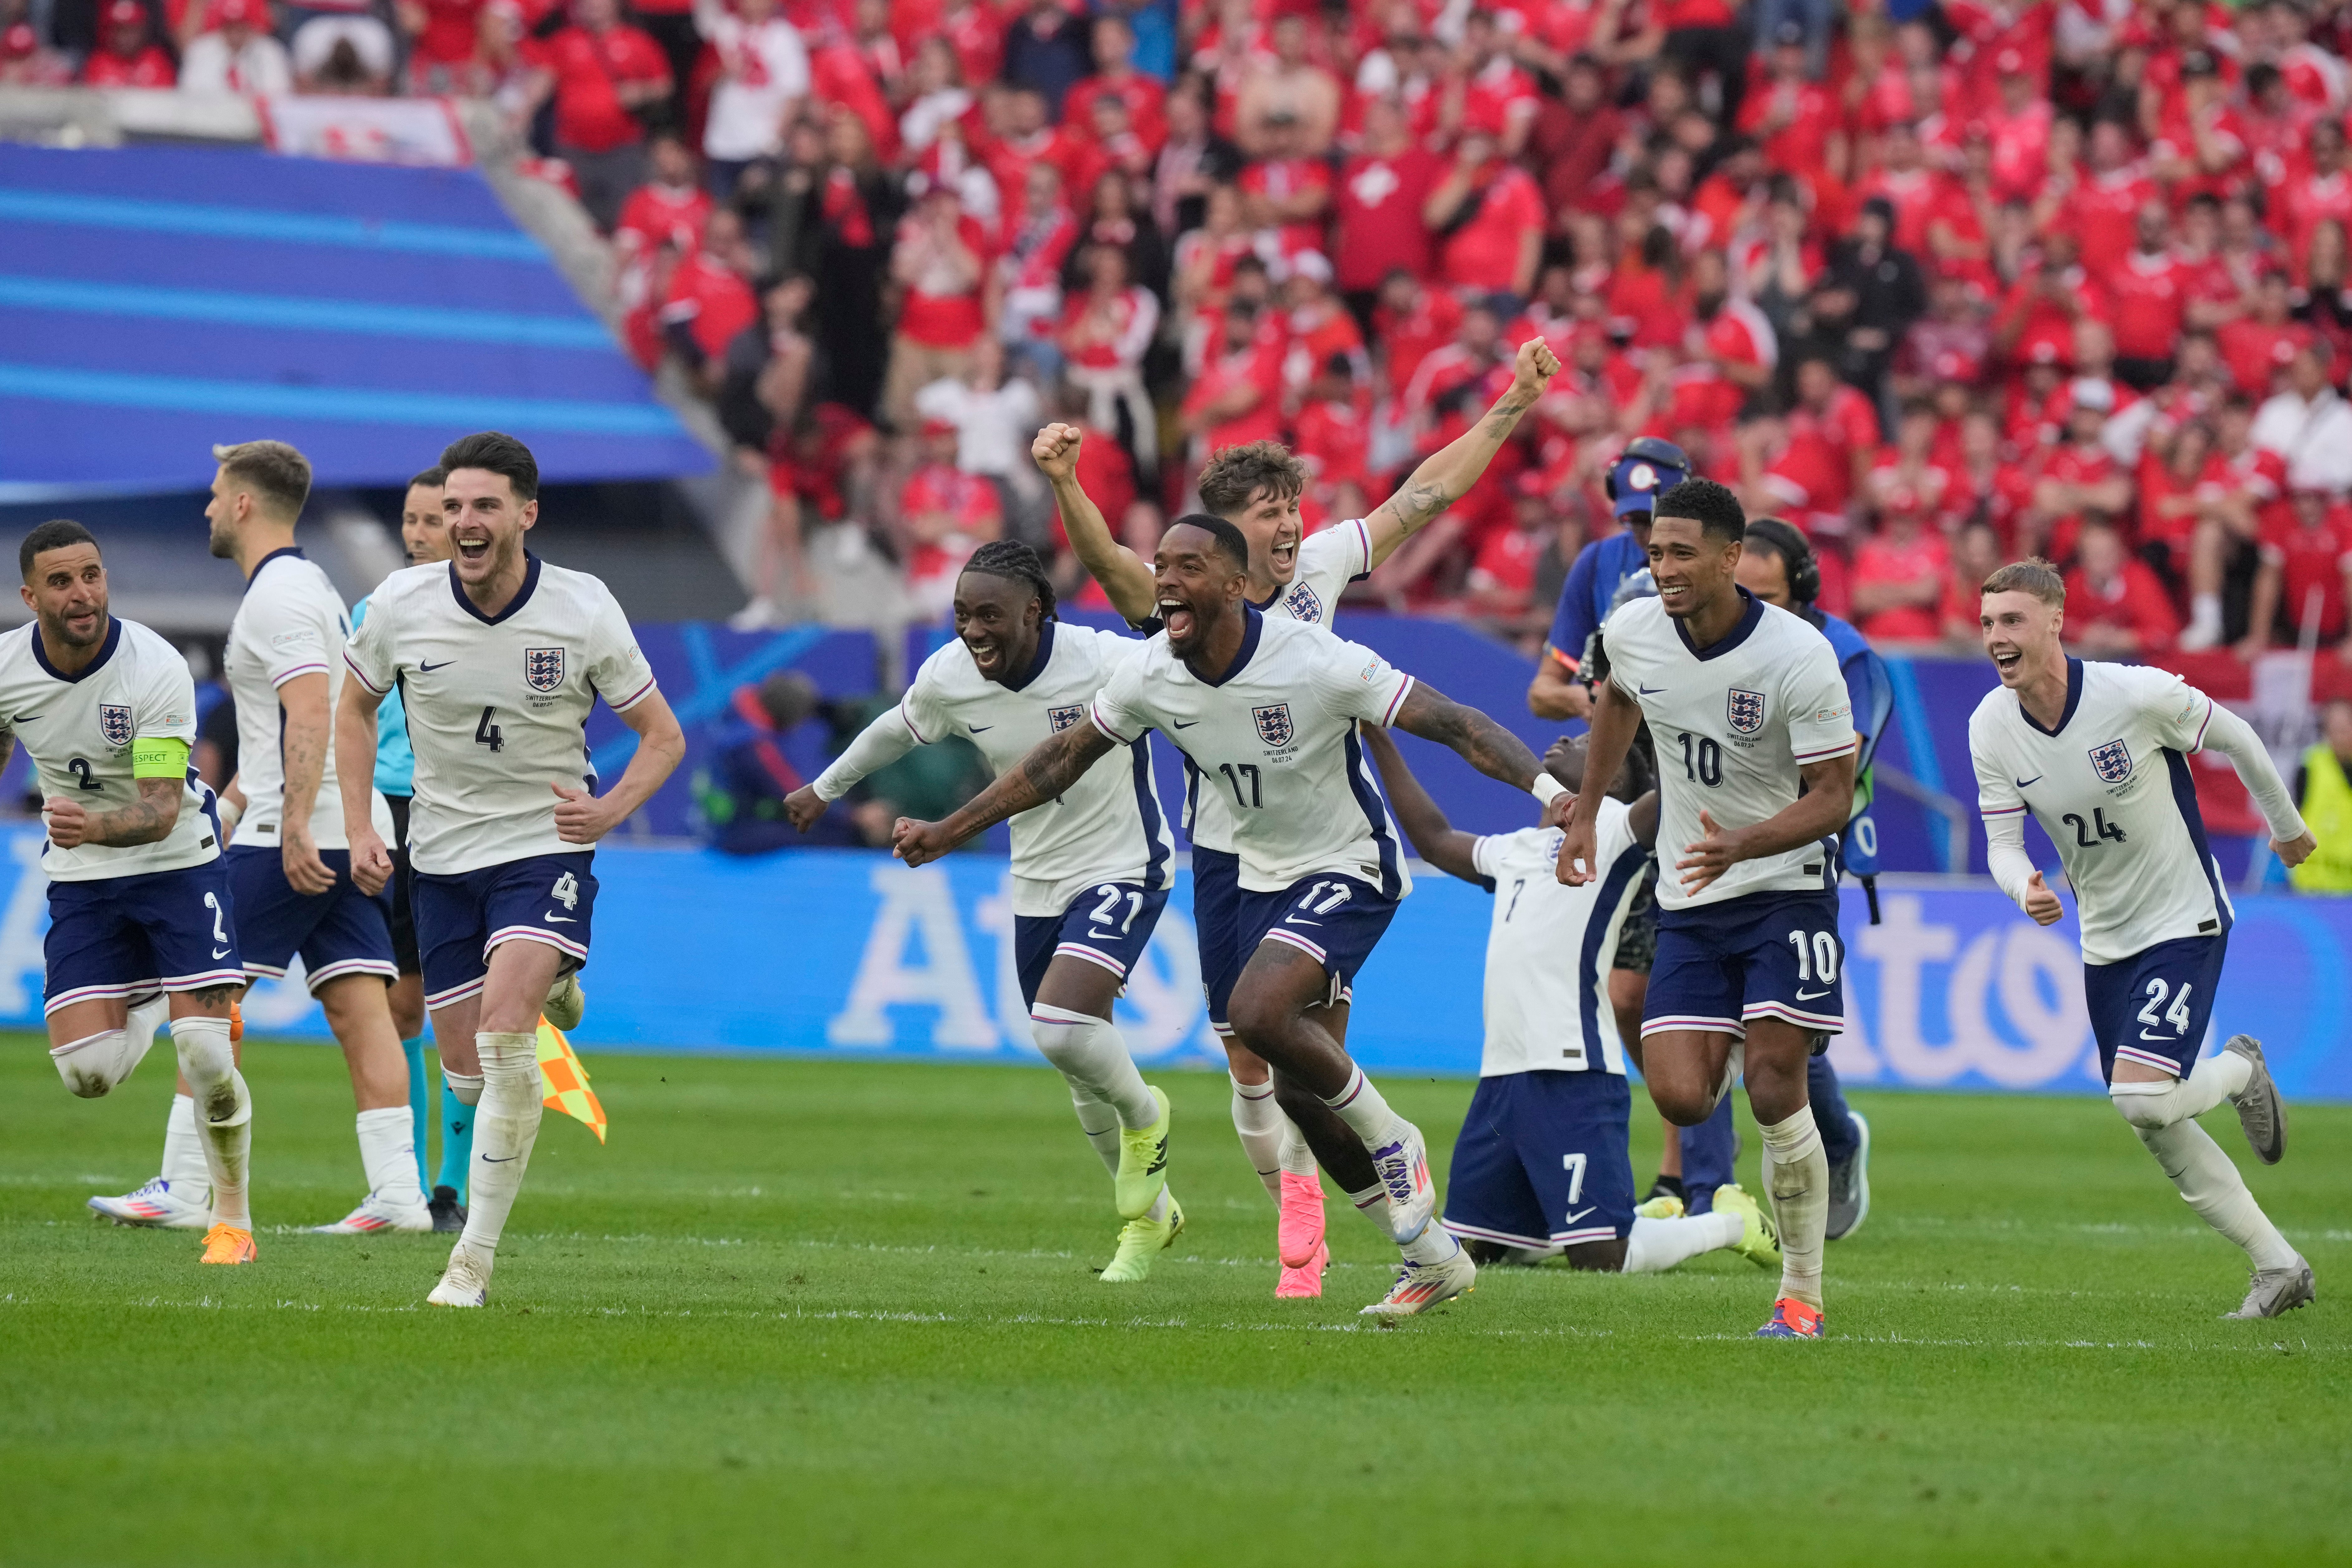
(1474, 737)
(1616, 719)
(1125, 577)
(1432, 837)
(1446, 475)
(355, 776)
(302, 745)
(1821, 811)
(583, 818)
(879, 744)
(2235, 739)
(1045, 774)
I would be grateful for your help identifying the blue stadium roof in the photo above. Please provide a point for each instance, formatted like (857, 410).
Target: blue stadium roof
(155, 300)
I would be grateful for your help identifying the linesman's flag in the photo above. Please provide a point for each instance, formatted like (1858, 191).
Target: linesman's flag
(567, 1082)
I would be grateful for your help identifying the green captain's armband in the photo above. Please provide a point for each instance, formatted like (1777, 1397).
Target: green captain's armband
(159, 757)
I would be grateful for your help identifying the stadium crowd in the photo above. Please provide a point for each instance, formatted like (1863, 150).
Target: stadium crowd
(1941, 286)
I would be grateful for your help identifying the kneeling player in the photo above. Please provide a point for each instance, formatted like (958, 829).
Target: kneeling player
(1541, 1166)
(138, 899)
(2098, 753)
(1089, 878)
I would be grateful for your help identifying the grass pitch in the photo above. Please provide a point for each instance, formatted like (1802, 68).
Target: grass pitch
(810, 1312)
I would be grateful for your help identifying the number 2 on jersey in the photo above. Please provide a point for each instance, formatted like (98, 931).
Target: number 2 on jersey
(2082, 839)
(79, 768)
(486, 734)
(1701, 761)
(2177, 1015)
(1107, 910)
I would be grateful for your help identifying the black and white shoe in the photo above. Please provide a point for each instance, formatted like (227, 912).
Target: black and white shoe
(448, 1214)
(1849, 1185)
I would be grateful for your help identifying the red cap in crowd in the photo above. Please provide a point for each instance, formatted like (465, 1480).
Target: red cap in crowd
(126, 13)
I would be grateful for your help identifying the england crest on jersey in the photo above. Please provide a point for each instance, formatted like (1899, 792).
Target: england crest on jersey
(1304, 604)
(1061, 719)
(542, 668)
(2112, 761)
(1274, 726)
(1746, 709)
(114, 723)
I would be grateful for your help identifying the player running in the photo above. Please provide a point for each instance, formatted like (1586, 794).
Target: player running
(2099, 755)
(1755, 741)
(1257, 489)
(1541, 1168)
(499, 658)
(425, 535)
(138, 898)
(1264, 709)
(290, 865)
(1089, 878)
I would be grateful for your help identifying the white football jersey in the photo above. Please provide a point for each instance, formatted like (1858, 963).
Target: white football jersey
(1328, 562)
(1549, 949)
(1277, 738)
(496, 705)
(79, 729)
(1108, 827)
(1734, 727)
(291, 622)
(2111, 787)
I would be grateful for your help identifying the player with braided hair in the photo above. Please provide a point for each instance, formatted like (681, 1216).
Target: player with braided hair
(1089, 878)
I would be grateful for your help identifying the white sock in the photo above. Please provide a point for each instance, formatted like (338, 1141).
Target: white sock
(2211, 1184)
(2205, 614)
(94, 1063)
(468, 1088)
(1158, 1212)
(1659, 1244)
(1090, 1053)
(388, 1154)
(183, 1150)
(1373, 1202)
(2152, 1105)
(506, 1125)
(1100, 1122)
(223, 1113)
(1732, 1064)
(145, 1021)
(1261, 1123)
(1359, 1105)
(1800, 1202)
(1297, 1159)
(1435, 1244)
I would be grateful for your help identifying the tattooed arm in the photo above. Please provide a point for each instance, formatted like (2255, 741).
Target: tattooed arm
(1447, 474)
(150, 817)
(1476, 739)
(1045, 775)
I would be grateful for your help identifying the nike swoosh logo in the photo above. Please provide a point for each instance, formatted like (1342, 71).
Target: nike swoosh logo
(976, 728)
(494, 1160)
(223, 953)
(429, 668)
(558, 920)
(1809, 995)
(1294, 920)
(2035, 779)
(1186, 723)
(2161, 1039)
(1652, 691)
(1579, 1214)
(24, 717)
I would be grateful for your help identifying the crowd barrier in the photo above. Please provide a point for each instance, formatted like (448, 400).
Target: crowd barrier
(849, 954)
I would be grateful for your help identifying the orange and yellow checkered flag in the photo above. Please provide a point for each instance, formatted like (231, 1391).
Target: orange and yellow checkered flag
(567, 1080)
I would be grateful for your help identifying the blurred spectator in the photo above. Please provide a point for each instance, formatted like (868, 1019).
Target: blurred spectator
(823, 466)
(349, 55)
(2322, 791)
(128, 56)
(1380, 193)
(1102, 337)
(1115, 76)
(1488, 219)
(25, 62)
(940, 260)
(846, 250)
(236, 53)
(609, 76)
(2081, 477)
(1192, 161)
(771, 370)
(997, 416)
(1237, 397)
(2309, 423)
(1046, 52)
(740, 792)
(1873, 292)
(2306, 561)
(1112, 217)
(1899, 576)
(946, 514)
(670, 205)
(1284, 86)
(763, 75)
(1038, 241)
(2114, 604)
(1976, 556)
(442, 36)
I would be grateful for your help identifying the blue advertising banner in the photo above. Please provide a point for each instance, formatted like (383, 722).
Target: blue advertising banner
(847, 953)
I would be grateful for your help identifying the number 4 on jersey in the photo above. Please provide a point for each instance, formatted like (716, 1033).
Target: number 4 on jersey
(486, 734)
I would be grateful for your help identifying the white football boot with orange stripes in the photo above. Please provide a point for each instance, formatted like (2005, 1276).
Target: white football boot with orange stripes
(1421, 1286)
(378, 1213)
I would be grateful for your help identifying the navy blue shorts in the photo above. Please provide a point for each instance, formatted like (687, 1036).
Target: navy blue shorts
(1109, 924)
(1543, 1160)
(132, 936)
(2153, 1007)
(340, 932)
(1216, 927)
(1334, 919)
(545, 898)
(1767, 955)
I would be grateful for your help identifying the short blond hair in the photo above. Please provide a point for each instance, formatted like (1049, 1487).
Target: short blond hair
(2032, 576)
(273, 470)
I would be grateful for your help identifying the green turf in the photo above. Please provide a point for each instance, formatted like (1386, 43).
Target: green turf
(814, 1312)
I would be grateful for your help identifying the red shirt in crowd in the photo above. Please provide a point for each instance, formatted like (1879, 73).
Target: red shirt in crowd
(1378, 204)
(2311, 559)
(589, 68)
(451, 29)
(656, 212)
(936, 313)
(1484, 253)
(2146, 304)
(1413, 338)
(968, 502)
(1884, 559)
(2133, 600)
(1258, 365)
(2104, 216)
(151, 67)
